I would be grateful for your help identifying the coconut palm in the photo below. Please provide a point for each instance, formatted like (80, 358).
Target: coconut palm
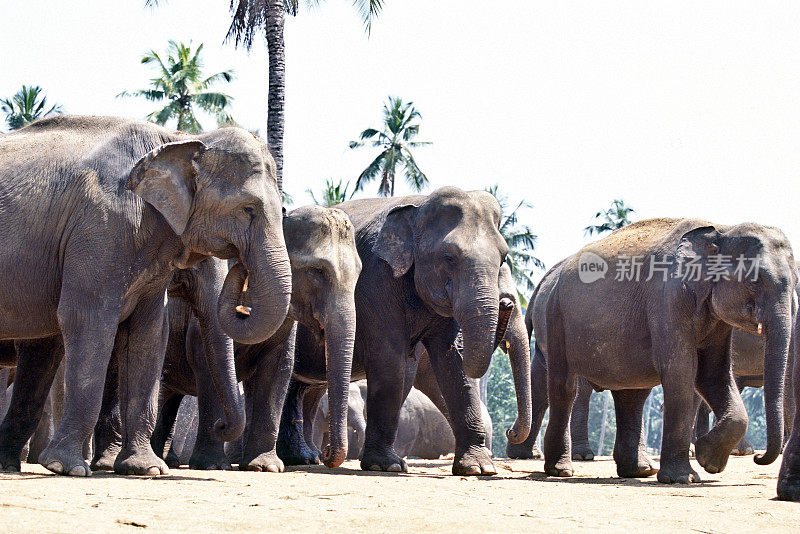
(181, 82)
(609, 220)
(332, 194)
(26, 106)
(521, 243)
(395, 142)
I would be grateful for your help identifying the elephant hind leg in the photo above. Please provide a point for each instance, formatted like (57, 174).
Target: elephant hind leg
(629, 454)
(167, 414)
(291, 445)
(579, 422)
(561, 389)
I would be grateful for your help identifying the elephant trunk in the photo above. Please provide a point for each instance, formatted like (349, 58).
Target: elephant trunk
(269, 280)
(477, 317)
(778, 330)
(519, 353)
(340, 331)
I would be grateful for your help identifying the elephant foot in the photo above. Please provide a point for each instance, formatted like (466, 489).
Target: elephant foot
(643, 467)
(521, 451)
(172, 460)
(62, 461)
(387, 461)
(267, 462)
(677, 474)
(104, 460)
(475, 461)
(561, 468)
(214, 460)
(298, 455)
(710, 455)
(10, 461)
(140, 462)
(743, 448)
(582, 451)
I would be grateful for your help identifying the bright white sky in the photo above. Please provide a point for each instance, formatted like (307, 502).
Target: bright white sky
(680, 108)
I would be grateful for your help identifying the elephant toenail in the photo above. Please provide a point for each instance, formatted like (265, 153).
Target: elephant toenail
(394, 468)
(273, 469)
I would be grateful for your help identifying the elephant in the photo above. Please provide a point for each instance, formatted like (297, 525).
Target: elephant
(422, 432)
(789, 475)
(627, 333)
(747, 358)
(431, 269)
(97, 212)
(325, 266)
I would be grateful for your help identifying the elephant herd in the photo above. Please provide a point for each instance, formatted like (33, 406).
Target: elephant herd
(158, 264)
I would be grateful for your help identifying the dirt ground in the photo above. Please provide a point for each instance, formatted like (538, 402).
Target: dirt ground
(428, 498)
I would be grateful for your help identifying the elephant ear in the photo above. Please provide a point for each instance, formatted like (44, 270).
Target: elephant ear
(165, 178)
(695, 247)
(395, 243)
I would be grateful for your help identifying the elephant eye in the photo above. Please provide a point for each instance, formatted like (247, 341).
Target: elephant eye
(449, 259)
(249, 210)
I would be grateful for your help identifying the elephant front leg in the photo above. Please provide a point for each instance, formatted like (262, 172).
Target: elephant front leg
(629, 454)
(716, 384)
(291, 445)
(579, 422)
(139, 378)
(37, 365)
(464, 405)
(208, 452)
(165, 426)
(679, 415)
(265, 392)
(789, 475)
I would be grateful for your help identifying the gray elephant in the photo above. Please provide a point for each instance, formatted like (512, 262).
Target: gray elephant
(789, 474)
(422, 432)
(325, 267)
(97, 212)
(431, 266)
(671, 325)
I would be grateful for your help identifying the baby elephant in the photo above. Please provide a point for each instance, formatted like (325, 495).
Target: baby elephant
(325, 268)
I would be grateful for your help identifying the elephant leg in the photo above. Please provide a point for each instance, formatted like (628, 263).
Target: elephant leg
(170, 404)
(208, 452)
(464, 404)
(629, 454)
(744, 447)
(715, 382)
(139, 378)
(579, 422)
(291, 446)
(528, 448)
(789, 474)
(37, 364)
(311, 399)
(701, 424)
(265, 392)
(108, 430)
(561, 389)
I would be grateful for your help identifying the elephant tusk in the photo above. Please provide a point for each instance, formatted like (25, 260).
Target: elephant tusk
(246, 280)
(243, 310)
(760, 328)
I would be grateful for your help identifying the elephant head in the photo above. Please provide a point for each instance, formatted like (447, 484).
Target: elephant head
(451, 238)
(749, 283)
(218, 192)
(325, 269)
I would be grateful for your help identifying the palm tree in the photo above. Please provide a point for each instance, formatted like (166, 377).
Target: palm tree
(332, 194)
(181, 83)
(611, 219)
(521, 244)
(26, 106)
(395, 142)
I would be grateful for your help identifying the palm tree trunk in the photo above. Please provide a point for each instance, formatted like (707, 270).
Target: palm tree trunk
(277, 83)
(603, 424)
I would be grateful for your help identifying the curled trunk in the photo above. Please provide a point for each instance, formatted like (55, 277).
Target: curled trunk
(340, 330)
(269, 280)
(778, 333)
(519, 353)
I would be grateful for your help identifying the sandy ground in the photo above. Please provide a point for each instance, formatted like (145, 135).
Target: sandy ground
(428, 498)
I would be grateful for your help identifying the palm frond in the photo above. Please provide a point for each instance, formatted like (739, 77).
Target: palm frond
(372, 170)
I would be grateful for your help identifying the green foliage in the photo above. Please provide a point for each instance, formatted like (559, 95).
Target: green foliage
(609, 220)
(26, 106)
(180, 81)
(250, 16)
(521, 243)
(332, 194)
(394, 142)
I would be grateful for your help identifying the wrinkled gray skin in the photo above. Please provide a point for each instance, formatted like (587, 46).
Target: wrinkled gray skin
(432, 264)
(95, 214)
(627, 336)
(422, 432)
(747, 356)
(325, 268)
(789, 474)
